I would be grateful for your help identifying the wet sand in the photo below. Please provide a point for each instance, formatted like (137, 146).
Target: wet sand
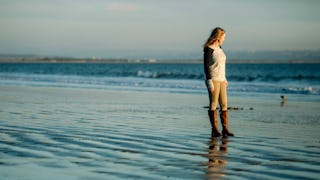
(77, 133)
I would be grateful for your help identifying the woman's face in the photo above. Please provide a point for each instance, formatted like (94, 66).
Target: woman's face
(222, 38)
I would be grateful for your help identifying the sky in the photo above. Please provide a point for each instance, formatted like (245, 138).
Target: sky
(154, 28)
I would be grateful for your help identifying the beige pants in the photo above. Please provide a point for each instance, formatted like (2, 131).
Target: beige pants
(219, 95)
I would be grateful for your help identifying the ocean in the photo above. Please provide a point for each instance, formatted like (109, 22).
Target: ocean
(150, 121)
(188, 78)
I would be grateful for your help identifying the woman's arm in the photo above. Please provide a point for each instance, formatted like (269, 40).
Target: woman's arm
(207, 56)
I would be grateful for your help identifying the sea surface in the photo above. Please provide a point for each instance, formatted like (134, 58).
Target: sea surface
(149, 121)
(265, 78)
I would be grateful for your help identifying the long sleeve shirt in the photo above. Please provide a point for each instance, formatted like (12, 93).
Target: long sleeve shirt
(214, 64)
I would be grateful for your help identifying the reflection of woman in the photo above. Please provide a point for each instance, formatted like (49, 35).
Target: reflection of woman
(214, 68)
(217, 160)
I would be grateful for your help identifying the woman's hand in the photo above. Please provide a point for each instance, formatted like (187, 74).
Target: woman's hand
(209, 84)
(227, 83)
(211, 89)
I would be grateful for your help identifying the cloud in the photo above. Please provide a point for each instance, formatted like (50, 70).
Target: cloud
(122, 7)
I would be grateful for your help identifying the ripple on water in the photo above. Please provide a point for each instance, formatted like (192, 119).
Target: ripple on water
(138, 147)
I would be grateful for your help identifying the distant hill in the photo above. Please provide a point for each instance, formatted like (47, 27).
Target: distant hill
(275, 55)
(289, 56)
(302, 55)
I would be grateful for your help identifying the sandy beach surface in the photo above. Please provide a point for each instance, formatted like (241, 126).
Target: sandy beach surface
(78, 133)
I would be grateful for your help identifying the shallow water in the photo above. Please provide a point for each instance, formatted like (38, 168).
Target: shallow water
(74, 133)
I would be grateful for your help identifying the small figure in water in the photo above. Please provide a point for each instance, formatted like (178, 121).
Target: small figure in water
(283, 102)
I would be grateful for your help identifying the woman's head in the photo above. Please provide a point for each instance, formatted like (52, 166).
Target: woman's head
(217, 36)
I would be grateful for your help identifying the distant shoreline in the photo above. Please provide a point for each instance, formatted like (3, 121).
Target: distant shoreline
(155, 61)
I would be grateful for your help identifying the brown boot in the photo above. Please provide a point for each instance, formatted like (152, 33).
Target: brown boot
(214, 123)
(224, 122)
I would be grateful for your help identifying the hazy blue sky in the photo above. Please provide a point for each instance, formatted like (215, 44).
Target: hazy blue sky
(123, 28)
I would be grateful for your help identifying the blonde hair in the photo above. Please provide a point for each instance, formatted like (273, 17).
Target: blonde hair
(215, 36)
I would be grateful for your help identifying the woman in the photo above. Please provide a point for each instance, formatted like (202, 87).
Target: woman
(215, 71)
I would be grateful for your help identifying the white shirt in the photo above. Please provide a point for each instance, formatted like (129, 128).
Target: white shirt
(218, 65)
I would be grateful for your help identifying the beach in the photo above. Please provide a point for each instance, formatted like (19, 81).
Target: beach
(89, 133)
(108, 90)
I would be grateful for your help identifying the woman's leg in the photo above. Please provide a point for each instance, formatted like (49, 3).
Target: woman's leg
(223, 101)
(213, 97)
